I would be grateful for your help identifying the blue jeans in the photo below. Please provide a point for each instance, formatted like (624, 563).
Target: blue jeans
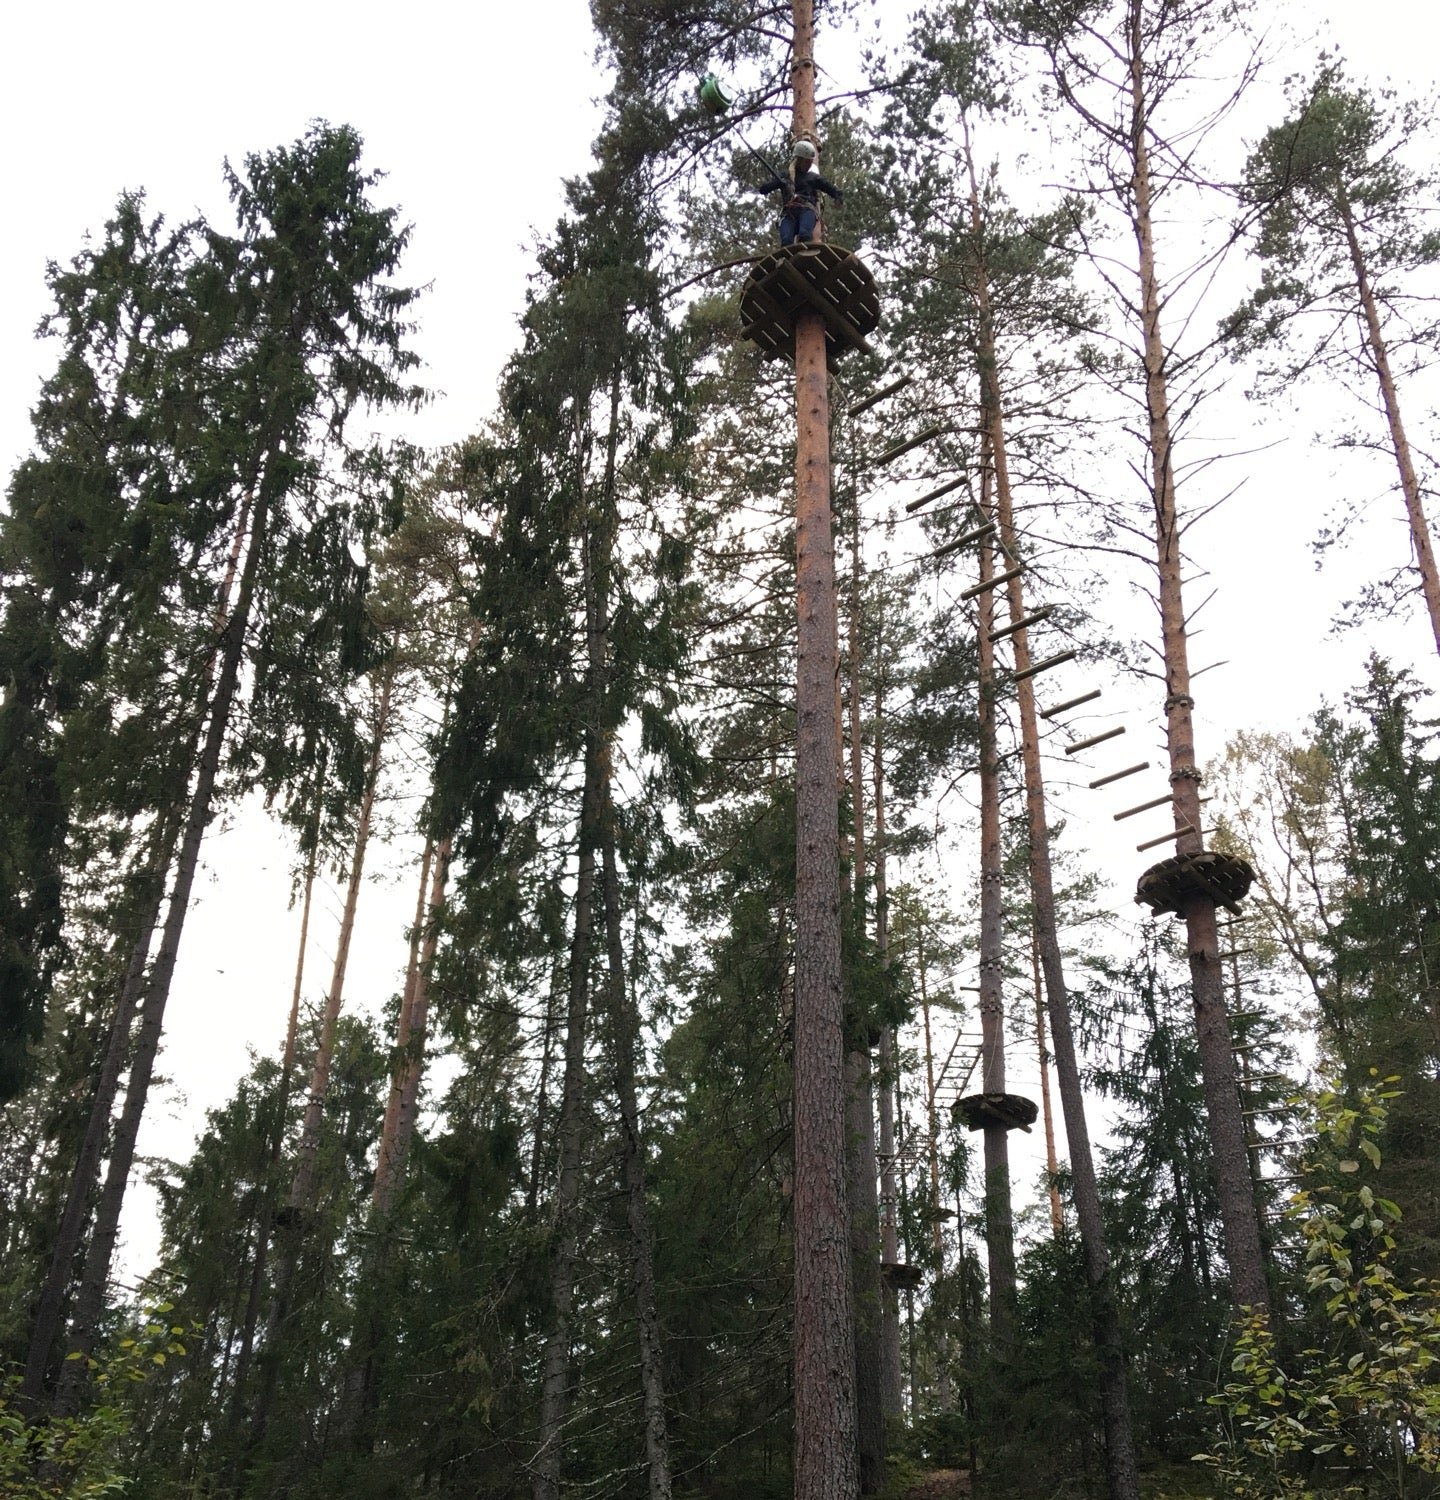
(797, 223)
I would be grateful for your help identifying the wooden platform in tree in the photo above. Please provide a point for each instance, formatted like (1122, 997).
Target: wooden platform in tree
(1008, 1110)
(900, 1276)
(809, 278)
(1225, 878)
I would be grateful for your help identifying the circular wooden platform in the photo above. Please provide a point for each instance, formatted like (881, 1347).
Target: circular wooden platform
(901, 1276)
(809, 278)
(1008, 1110)
(1225, 878)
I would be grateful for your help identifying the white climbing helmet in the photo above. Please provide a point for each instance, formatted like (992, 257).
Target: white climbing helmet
(805, 151)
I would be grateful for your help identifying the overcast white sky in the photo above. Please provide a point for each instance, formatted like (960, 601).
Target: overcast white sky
(476, 113)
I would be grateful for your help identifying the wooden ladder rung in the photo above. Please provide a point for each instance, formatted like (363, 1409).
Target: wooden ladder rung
(1095, 739)
(1060, 708)
(984, 587)
(1045, 666)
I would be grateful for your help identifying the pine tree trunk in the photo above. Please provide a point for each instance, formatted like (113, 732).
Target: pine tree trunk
(266, 1227)
(892, 1391)
(864, 1206)
(403, 1103)
(542, 1090)
(398, 1131)
(555, 1375)
(1042, 1049)
(300, 1202)
(945, 1395)
(1121, 1476)
(824, 1351)
(570, 1133)
(865, 1267)
(1217, 1063)
(999, 1221)
(624, 1026)
(50, 1311)
(90, 1301)
(1409, 482)
(45, 1333)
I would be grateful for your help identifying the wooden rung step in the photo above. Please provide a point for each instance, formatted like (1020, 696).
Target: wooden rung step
(984, 587)
(1235, 953)
(1095, 739)
(1140, 765)
(883, 392)
(944, 489)
(1044, 666)
(1029, 620)
(1140, 807)
(964, 541)
(1163, 839)
(932, 431)
(1060, 708)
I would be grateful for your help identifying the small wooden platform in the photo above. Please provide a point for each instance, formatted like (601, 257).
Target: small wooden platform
(900, 1276)
(809, 278)
(1009, 1110)
(1225, 878)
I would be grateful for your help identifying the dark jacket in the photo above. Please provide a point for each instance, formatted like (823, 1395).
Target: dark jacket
(806, 188)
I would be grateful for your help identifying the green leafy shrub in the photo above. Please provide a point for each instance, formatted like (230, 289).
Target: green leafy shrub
(1360, 1415)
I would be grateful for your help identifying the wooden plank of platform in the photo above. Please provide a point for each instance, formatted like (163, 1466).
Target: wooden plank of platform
(824, 305)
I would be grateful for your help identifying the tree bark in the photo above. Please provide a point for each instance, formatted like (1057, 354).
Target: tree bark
(624, 1026)
(1238, 1214)
(892, 1391)
(864, 1206)
(301, 1200)
(1047, 1110)
(570, 1133)
(1121, 1475)
(49, 1313)
(824, 1351)
(266, 1227)
(999, 1222)
(1399, 443)
(404, 1100)
(95, 1278)
(945, 1394)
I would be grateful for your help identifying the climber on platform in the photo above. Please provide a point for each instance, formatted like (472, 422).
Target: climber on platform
(802, 188)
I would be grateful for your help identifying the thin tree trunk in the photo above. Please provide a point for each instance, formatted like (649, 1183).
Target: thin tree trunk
(824, 1352)
(624, 1026)
(864, 1209)
(397, 1133)
(570, 1132)
(1399, 443)
(266, 1226)
(864, 1205)
(1121, 1476)
(49, 1313)
(1052, 1161)
(302, 1192)
(999, 1223)
(1222, 1098)
(95, 1278)
(944, 1391)
(542, 1090)
(301, 1200)
(555, 1359)
(410, 1034)
(892, 1392)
